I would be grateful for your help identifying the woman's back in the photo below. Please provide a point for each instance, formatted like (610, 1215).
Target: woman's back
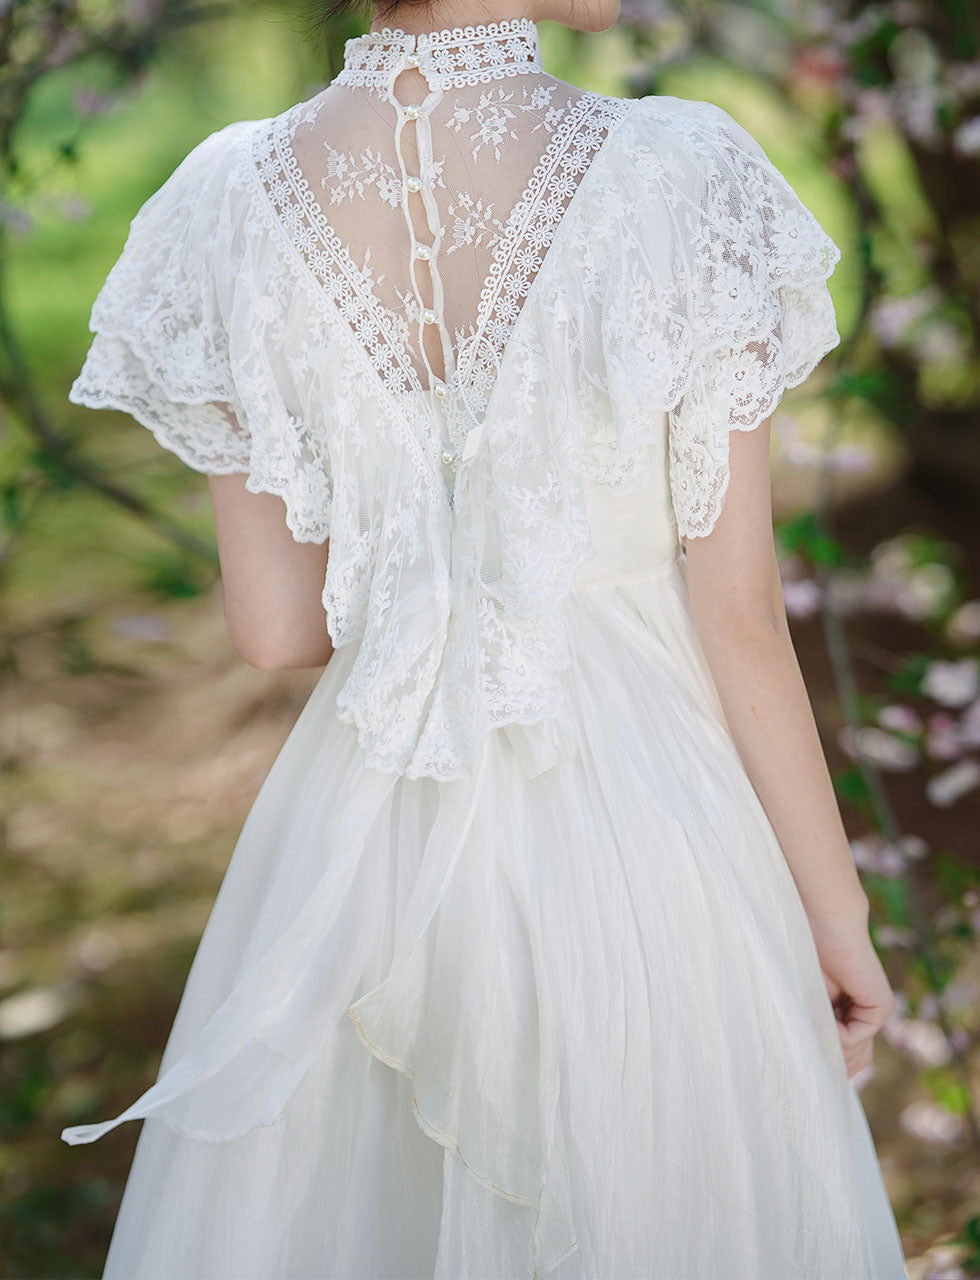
(440, 214)
(490, 352)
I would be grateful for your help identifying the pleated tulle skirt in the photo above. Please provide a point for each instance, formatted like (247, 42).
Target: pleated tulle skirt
(504, 1027)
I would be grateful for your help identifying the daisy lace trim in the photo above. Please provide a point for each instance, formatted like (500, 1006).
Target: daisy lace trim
(453, 57)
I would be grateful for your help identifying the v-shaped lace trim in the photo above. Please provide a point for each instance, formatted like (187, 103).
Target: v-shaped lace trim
(518, 257)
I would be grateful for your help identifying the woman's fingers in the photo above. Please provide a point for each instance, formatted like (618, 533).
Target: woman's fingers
(858, 1057)
(857, 1027)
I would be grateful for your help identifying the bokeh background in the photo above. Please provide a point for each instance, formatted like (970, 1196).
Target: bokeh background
(132, 738)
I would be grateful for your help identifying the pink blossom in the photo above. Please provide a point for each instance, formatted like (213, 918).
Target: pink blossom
(960, 1039)
(964, 625)
(93, 102)
(944, 918)
(966, 139)
(143, 626)
(907, 12)
(881, 748)
(802, 598)
(75, 208)
(890, 935)
(891, 318)
(873, 853)
(953, 684)
(863, 852)
(968, 728)
(922, 1040)
(940, 343)
(944, 1263)
(943, 740)
(873, 104)
(952, 784)
(913, 846)
(963, 78)
(900, 719)
(890, 861)
(850, 459)
(959, 997)
(928, 1006)
(18, 220)
(928, 1120)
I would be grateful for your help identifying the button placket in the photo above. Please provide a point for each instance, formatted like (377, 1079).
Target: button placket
(430, 309)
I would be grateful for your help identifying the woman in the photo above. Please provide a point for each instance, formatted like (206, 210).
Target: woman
(528, 957)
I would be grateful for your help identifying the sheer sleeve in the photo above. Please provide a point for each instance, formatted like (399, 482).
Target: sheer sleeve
(160, 351)
(760, 309)
(192, 337)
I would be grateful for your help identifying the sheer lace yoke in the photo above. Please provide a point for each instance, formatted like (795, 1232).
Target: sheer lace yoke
(423, 187)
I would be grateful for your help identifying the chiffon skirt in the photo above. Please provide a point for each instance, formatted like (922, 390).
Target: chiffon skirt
(569, 1025)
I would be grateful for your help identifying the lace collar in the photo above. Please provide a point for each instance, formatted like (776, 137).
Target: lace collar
(451, 57)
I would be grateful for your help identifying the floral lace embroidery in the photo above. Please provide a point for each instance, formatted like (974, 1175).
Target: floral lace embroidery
(519, 244)
(348, 176)
(474, 223)
(328, 258)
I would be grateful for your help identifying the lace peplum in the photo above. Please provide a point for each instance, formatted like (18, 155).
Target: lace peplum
(437, 308)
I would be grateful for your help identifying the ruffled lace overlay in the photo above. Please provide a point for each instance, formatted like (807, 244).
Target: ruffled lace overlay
(763, 316)
(657, 264)
(714, 297)
(189, 338)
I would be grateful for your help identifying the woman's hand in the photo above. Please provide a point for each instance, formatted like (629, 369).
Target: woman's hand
(859, 990)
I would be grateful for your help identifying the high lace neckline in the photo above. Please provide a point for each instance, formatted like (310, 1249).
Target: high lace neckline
(450, 57)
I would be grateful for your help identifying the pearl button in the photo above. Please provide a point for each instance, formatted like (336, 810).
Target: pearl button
(429, 317)
(412, 112)
(422, 251)
(439, 390)
(448, 457)
(414, 184)
(411, 60)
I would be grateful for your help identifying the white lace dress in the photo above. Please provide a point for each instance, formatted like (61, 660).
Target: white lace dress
(508, 976)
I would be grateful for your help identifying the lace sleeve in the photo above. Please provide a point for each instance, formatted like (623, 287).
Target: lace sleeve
(160, 351)
(761, 309)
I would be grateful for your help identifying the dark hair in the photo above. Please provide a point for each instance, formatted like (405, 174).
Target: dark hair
(332, 11)
(328, 16)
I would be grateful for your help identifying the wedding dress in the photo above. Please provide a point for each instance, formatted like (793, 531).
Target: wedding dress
(508, 975)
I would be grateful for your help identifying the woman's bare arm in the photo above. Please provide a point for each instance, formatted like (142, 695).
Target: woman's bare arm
(737, 602)
(272, 583)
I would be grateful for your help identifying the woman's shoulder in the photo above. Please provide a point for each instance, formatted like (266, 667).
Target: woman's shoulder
(217, 151)
(210, 169)
(681, 129)
(693, 151)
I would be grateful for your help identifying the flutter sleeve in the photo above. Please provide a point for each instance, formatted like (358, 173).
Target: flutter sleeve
(760, 313)
(182, 342)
